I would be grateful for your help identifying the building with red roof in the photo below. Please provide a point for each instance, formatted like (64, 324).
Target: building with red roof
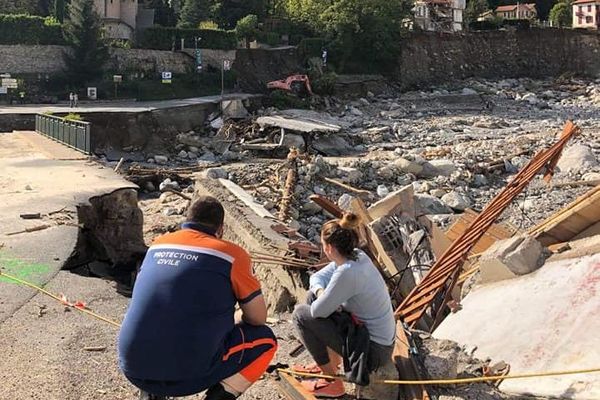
(586, 14)
(517, 11)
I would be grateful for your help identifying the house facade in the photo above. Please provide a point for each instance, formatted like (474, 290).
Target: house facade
(439, 15)
(122, 18)
(586, 14)
(517, 11)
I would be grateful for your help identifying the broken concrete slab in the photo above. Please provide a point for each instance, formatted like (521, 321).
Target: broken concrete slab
(544, 321)
(234, 109)
(312, 115)
(249, 225)
(246, 198)
(506, 259)
(297, 124)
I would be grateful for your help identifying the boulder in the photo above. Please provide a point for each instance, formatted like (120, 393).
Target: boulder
(456, 200)
(161, 159)
(443, 166)
(428, 204)
(168, 184)
(530, 98)
(382, 191)
(577, 158)
(350, 175)
(509, 258)
(407, 166)
(331, 145)
(216, 173)
(292, 140)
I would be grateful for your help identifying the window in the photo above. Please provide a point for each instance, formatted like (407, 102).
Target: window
(589, 19)
(589, 8)
(580, 8)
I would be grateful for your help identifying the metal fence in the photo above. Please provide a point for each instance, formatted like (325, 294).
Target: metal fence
(75, 134)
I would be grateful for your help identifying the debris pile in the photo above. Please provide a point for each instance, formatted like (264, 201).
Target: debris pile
(446, 184)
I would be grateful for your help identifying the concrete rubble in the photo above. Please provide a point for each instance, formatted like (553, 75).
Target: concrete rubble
(412, 165)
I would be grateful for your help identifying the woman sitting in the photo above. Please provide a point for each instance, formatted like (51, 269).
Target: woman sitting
(350, 283)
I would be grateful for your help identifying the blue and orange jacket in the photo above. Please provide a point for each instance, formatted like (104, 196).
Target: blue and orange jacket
(183, 305)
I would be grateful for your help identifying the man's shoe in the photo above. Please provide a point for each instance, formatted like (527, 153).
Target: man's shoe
(218, 392)
(148, 396)
(325, 388)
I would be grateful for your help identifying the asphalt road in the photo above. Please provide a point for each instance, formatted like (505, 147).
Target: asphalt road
(38, 175)
(119, 106)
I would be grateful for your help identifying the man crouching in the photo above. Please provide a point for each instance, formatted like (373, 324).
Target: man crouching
(179, 336)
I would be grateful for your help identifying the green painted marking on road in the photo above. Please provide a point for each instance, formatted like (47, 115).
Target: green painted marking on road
(22, 269)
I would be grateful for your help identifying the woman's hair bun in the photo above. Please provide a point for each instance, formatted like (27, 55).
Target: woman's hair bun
(349, 221)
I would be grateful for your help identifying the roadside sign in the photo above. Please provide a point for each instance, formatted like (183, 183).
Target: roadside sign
(92, 93)
(3, 90)
(226, 65)
(199, 60)
(166, 77)
(10, 83)
(4, 75)
(117, 78)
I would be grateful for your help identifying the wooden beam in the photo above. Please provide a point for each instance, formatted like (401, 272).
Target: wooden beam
(292, 389)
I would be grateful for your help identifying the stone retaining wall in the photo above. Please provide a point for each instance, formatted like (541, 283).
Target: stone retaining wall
(433, 58)
(22, 59)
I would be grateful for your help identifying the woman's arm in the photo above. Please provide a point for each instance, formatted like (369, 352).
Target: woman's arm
(341, 287)
(321, 278)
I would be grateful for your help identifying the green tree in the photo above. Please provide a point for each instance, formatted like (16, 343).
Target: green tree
(194, 12)
(474, 9)
(363, 33)
(246, 28)
(83, 32)
(58, 10)
(561, 14)
(19, 7)
(164, 14)
(228, 12)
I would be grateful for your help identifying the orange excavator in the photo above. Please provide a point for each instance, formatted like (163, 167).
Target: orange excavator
(297, 84)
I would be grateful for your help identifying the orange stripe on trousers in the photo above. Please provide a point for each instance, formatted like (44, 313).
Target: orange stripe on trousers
(248, 345)
(258, 367)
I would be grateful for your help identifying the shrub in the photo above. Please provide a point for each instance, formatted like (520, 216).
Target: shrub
(270, 38)
(282, 100)
(29, 29)
(208, 25)
(325, 85)
(72, 117)
(162, 38)
(119, 44)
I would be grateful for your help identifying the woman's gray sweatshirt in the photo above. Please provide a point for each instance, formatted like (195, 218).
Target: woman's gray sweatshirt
(359, 288)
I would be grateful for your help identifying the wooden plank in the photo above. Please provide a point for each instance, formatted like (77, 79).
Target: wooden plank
(406, 367)
(571, 220)
(403, 198)
(372, 240)
(292, 389)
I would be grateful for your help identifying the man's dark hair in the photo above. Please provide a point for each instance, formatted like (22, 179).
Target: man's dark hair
(207, 211)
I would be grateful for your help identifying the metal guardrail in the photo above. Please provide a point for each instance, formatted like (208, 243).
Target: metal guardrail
(75, 134)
